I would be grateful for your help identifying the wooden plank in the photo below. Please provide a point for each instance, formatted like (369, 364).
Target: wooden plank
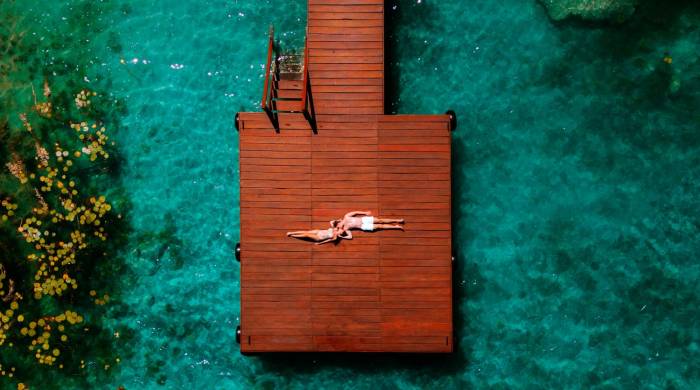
(347, 60)
(341, 89)
(345, 45)
(351, 104)
(307, 331)
(340, 2)
(337, 52)
(414, 148)
(348, 37)
(349, 23)
(349, 83)
(316, 16)
(413, 118)
(349, 7)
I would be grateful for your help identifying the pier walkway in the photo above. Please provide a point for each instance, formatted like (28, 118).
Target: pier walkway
(387, 291)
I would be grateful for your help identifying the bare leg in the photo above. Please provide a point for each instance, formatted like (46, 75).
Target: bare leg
(388, 220)
(383, 226)
(303, 234)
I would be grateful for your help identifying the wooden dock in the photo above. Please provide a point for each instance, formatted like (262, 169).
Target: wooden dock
(387, 291)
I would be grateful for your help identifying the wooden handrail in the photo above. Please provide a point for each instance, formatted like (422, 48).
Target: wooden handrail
(268, 67)
(305, 87)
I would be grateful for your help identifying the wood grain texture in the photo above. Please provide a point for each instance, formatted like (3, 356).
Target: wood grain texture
(387, 291)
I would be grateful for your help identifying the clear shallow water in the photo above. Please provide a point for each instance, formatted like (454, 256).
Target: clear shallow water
(576, 190)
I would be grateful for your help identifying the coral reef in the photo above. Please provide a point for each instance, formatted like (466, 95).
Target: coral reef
(609, 10)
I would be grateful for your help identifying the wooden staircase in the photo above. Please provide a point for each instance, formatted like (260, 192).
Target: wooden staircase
(286, 87)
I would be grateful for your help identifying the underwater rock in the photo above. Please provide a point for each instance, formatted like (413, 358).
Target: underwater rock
(597, 10)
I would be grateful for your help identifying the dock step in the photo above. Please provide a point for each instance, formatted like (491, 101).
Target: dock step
(288, 94)
(287, 105)
(291, 76)
(288, 84)
(286, 97)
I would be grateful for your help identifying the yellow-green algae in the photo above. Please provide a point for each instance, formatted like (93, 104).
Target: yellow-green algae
(56, 223)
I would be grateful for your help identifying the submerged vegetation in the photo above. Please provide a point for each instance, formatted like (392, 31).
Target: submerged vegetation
(614, 10)
(53, 225)
(59, 228)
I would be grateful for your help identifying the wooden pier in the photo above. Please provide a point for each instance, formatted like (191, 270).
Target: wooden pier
(322, 147)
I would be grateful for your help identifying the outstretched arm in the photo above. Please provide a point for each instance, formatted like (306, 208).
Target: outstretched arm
(354, 213)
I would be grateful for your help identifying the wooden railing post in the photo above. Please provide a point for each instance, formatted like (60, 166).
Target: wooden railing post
(269, 80)
(306, 100)
(305, 87)
(268, 69)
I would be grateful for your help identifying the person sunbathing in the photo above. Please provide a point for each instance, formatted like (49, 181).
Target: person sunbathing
(363, 220)
(320, 236)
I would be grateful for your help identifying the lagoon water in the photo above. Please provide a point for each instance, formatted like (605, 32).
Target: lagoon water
(576, 195)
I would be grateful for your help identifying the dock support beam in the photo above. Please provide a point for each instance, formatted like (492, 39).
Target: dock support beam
(453, 119)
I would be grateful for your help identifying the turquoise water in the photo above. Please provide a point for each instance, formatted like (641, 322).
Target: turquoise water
(577, 189)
